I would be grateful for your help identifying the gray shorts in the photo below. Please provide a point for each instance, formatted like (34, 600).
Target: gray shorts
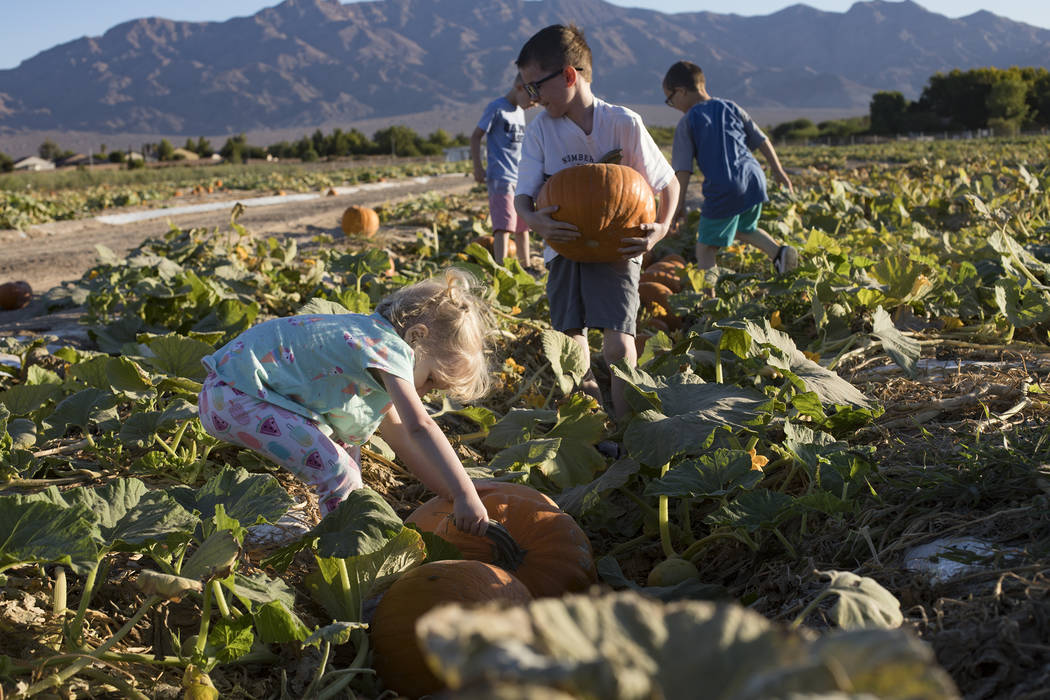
(593, 295)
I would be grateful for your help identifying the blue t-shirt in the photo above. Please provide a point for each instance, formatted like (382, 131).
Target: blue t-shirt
(504, 127)
(318, 366)
(720, 136)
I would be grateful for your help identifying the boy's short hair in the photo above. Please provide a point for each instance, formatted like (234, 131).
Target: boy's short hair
(557, 46)
(684, 75)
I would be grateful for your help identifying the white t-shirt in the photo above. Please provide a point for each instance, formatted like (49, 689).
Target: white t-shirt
(555, 144)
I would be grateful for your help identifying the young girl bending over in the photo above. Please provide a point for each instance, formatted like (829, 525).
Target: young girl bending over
(307, 391)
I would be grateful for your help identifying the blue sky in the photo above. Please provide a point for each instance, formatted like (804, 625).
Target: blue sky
(32, 26)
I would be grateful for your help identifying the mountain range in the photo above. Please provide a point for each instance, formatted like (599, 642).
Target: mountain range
(306, 63)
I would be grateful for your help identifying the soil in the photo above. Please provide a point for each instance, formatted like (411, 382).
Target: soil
(49, 254)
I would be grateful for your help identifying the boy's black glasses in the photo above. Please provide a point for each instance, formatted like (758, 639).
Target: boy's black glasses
(533, 89)
(671, 97)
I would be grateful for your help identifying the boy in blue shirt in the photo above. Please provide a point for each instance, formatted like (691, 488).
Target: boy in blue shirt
(502, 125)
(721, 136)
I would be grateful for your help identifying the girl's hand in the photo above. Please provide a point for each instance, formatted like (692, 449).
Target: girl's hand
(470, 514)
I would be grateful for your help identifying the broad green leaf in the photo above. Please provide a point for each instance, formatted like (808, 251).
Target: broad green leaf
(229, 316)
(362, 524)
(231, 638)
(368, 574)
(90, 407)
(623, 646)
(518, 425)
(130, 514)
(249, 498)
(114, 373)
(215, 557)
(566, 358)
(257, 588)
(335, 634)
(24, 399)
(904, 351)
(1022, 307)
(862, 602)
(140, 428)
(322, 306)
(754, 510)
(579, 499)
(38, 375)
(539, 454)
(714, 475)
(175, 355)
(45, 532)
(277, 624)
(22, 432)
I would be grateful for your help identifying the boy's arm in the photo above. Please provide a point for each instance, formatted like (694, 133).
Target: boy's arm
(778, 170)
(475, 154)
(655, 231)
(683, 177)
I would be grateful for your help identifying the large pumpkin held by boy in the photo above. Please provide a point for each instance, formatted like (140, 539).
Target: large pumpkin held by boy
(606, 202)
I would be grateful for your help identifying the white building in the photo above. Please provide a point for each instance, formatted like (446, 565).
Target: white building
(457, 153)
(34, 163)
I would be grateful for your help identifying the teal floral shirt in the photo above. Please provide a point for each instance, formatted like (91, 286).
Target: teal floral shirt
(319, 366)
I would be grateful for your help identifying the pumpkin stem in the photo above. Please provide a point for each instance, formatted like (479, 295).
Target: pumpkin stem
(614, 156)
(509, 554)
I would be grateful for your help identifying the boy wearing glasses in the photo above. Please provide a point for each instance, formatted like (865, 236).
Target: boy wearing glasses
(502, 125)
(577, 128)
(720, 136)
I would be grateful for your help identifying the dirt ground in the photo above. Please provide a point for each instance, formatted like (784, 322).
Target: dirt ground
(49, 254)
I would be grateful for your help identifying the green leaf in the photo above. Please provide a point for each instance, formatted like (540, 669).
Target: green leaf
(257, 588)
(129, 514)
(335, 634)
(1022, 307)
(517, 426)
(322, 306)
(82, 410)
(579, 499)
(904, 351)
(277, 624)
(232, 638)
(566, 358)
(229, 316)
(249, 498)
(361, 524)
(754, 510)
(215, 557)
(713, 475)
(532, 454)
(175, 355)
(40, 531)
(23, 399)
(862, 602)
(140, 428)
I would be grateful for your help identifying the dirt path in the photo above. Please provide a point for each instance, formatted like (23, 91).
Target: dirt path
(49, 254)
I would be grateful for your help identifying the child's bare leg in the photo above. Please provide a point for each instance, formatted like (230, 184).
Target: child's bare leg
(705, 260)
(617, 346)
(521, 240)
(588, 385)
(761, 240)
(499, 245)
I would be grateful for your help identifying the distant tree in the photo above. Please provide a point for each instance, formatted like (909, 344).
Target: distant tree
(397, 140)
(1007, 108)
(234, 150)
(116, 157)
(191, 146)
(165, 151)
(49, 150)
(6, 163)
(795, 130)
(204, 149)
(1039, 99)
(888, 112)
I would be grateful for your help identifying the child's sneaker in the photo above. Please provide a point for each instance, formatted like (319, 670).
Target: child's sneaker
(786, 259)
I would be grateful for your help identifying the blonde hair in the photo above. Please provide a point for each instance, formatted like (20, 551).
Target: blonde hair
(460, 327)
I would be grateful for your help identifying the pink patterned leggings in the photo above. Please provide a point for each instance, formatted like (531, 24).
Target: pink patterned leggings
(290, 440)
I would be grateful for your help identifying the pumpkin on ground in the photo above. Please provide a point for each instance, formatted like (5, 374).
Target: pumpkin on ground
(655, 293)
(664, 277)
(606, 202)
(15, 295)
(398, 658)
(360, 221)
(556, 556)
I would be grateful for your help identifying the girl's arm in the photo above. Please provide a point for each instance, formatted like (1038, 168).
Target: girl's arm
(419, 442)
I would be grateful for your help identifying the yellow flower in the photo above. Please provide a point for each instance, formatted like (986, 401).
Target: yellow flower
(774, 320)
(951, 323)
(815, 356)
(515, 311)
(757, 461)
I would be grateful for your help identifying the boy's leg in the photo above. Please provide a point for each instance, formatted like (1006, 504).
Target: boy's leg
(761, 240)
(288, 439)
(616, 346)
(499, 245)
(521, 240)
(784, 257)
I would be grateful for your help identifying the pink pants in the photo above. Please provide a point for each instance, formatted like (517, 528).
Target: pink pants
(290, 440)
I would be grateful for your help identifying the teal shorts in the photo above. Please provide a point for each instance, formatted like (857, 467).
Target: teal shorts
(721, 232)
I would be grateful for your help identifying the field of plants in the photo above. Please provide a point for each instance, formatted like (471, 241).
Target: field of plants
(835, 483)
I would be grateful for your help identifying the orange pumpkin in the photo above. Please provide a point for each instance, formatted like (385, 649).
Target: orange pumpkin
(489, 243)
(15, 295)
(360, 221)
(662, 276)
(398, 657)
(673, 259)
(606, 202)
(556, 556)
(654, 292)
